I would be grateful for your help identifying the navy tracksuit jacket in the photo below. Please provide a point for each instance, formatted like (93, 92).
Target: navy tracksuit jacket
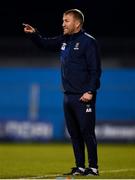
(80, 72)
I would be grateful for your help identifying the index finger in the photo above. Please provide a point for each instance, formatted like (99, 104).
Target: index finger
(24, 24)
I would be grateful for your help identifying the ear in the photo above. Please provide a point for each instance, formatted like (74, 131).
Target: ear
(77, 24)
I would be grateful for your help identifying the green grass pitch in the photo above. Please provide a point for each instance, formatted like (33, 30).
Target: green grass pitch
(50, 161)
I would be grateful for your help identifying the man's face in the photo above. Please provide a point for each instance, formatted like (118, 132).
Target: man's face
(70, 24)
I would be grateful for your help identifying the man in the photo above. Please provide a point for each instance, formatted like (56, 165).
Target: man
(80, 73)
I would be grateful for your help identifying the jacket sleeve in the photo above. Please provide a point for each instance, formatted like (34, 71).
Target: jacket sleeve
(93, 65)
(44, 42)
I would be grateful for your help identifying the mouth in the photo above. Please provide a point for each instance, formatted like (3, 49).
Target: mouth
(65, 29)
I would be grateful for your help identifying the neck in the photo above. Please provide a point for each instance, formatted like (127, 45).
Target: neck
(76, 31)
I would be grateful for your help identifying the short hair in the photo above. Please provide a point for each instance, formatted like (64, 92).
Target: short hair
(77, 14)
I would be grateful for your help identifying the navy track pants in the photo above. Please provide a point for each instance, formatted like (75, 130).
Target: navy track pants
(80, 121)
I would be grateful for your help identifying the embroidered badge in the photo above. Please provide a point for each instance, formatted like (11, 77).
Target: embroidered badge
(63, 46)
(77, 46)
(88, 108)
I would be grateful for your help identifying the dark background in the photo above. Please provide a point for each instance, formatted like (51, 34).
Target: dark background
(110, 22)
(102, 18)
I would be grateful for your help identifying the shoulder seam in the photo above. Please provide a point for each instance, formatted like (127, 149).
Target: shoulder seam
(88, 35)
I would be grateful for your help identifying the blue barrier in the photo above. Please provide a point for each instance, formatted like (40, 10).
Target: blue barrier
(116, 99)
(31, 101)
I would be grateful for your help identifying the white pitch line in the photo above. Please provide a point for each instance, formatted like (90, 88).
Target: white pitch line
(117, 170)
(61, 175)
(45, 176)
(48, 175)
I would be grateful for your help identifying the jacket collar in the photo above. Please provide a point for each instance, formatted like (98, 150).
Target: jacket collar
(74, 36)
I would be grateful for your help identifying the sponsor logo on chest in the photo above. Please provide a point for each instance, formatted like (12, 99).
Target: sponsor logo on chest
(77, 46)
(63, 46)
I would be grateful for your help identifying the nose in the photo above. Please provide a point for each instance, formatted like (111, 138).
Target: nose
(63, 24)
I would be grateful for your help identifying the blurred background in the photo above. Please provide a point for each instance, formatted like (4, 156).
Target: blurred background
(30, 84)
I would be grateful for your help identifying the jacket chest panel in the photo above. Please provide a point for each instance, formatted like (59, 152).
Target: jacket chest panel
(72, 51)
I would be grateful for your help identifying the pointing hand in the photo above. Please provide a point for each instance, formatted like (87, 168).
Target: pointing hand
(28, 28)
